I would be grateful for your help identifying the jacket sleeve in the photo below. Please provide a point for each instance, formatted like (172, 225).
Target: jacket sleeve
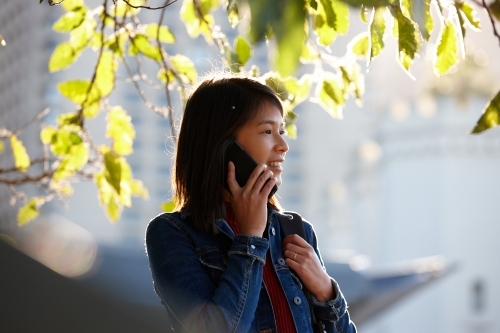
(332, 313)
(184, 286)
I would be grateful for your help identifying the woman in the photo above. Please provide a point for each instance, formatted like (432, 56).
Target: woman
(219, 264)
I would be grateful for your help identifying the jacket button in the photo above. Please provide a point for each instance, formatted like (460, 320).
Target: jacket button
(252, 246)
(297, 300)
(281, 261)
(273, 231)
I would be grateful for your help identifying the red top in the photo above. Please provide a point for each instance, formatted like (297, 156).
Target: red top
(282, 313)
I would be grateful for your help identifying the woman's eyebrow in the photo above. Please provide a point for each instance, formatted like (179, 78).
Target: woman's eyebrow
(270, 122)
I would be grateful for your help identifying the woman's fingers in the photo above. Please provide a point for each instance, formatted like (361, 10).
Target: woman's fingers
(234, 187)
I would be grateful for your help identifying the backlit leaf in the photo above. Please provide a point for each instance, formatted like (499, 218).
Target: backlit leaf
(140, 43)
(113, 168)
(120, 130)
(122, 9)
(168, 206)
(243, 50)
(409, 39)
(70, 5)
(196, 25)
(82, 35)
(46, 134)
(232, 13)
(470, 14)
(62, 57)
(291, 131)
(363, 13)
(70, 20)
(105, 74)
(490, 117)
(331, 96)
(447, 49)
(75, 90)
(360, 45)
(184, 68)
(297, 90)
(309, 53)
(166, 35)
(422, 16)
(377, 30)
(73, 160)
(29, 211)
(1, 147)
(21, 158)
(137, 188)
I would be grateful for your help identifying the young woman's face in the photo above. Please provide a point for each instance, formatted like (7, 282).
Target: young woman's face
(262, 138)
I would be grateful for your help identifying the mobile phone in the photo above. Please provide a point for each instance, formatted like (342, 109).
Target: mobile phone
(243, 163)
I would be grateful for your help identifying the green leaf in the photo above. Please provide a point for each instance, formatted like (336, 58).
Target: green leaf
(166, 35)
(495, 9)
(69, 119)
(73, 160)
(309, 54)
(195, 24)
(62, 57)
(490, 117)
(184, 67)
(82, 35)
(168, 206)
(422, 16)
(70, 20)
(409, 39)
(331, 96)
(363, 14)
(360, 45)
(114, 209)
(233, 13)
(290, 37)
(1, 147)
(137, 188)
(140, 43)
(326, 34)
(291, 131)
(113, 168)
(21, 158)
(120, 130)
(470, 15)
(297, 90)
(46, 134)
(337, 15)
(105, 74)
(29, 211)
(377, 30)
(70, 5)
(447, 49)
(75, 90)
(243, 50)
(122, 9)
(62, 140)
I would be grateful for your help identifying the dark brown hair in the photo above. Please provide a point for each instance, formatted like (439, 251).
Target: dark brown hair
(214, 112)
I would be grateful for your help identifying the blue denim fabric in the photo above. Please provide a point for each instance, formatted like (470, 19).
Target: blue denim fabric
(213, 283)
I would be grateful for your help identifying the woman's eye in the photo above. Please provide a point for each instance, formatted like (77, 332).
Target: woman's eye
(282, 132)
(267, 131)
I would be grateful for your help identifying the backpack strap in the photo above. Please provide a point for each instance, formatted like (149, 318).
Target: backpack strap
(291, 223)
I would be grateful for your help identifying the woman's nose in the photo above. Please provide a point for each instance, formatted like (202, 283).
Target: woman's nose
(282, 145)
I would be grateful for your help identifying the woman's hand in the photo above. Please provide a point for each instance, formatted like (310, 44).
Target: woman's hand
(250, 201)
(300, 257)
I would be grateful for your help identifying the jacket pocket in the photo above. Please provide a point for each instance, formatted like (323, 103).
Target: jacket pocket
(214, 261)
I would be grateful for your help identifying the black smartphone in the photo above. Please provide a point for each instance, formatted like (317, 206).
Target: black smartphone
(243, 163)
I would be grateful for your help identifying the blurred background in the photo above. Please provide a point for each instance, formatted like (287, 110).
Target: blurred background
(398, 192)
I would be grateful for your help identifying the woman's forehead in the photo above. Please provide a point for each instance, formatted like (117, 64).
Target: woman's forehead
(268, 113)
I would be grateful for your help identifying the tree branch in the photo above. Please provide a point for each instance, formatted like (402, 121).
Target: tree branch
(483, 4)
(168, 3)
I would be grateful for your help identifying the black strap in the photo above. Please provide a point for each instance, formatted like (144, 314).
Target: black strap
(291, 223)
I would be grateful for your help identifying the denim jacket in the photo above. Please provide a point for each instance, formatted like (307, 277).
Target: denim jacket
(213, 283)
